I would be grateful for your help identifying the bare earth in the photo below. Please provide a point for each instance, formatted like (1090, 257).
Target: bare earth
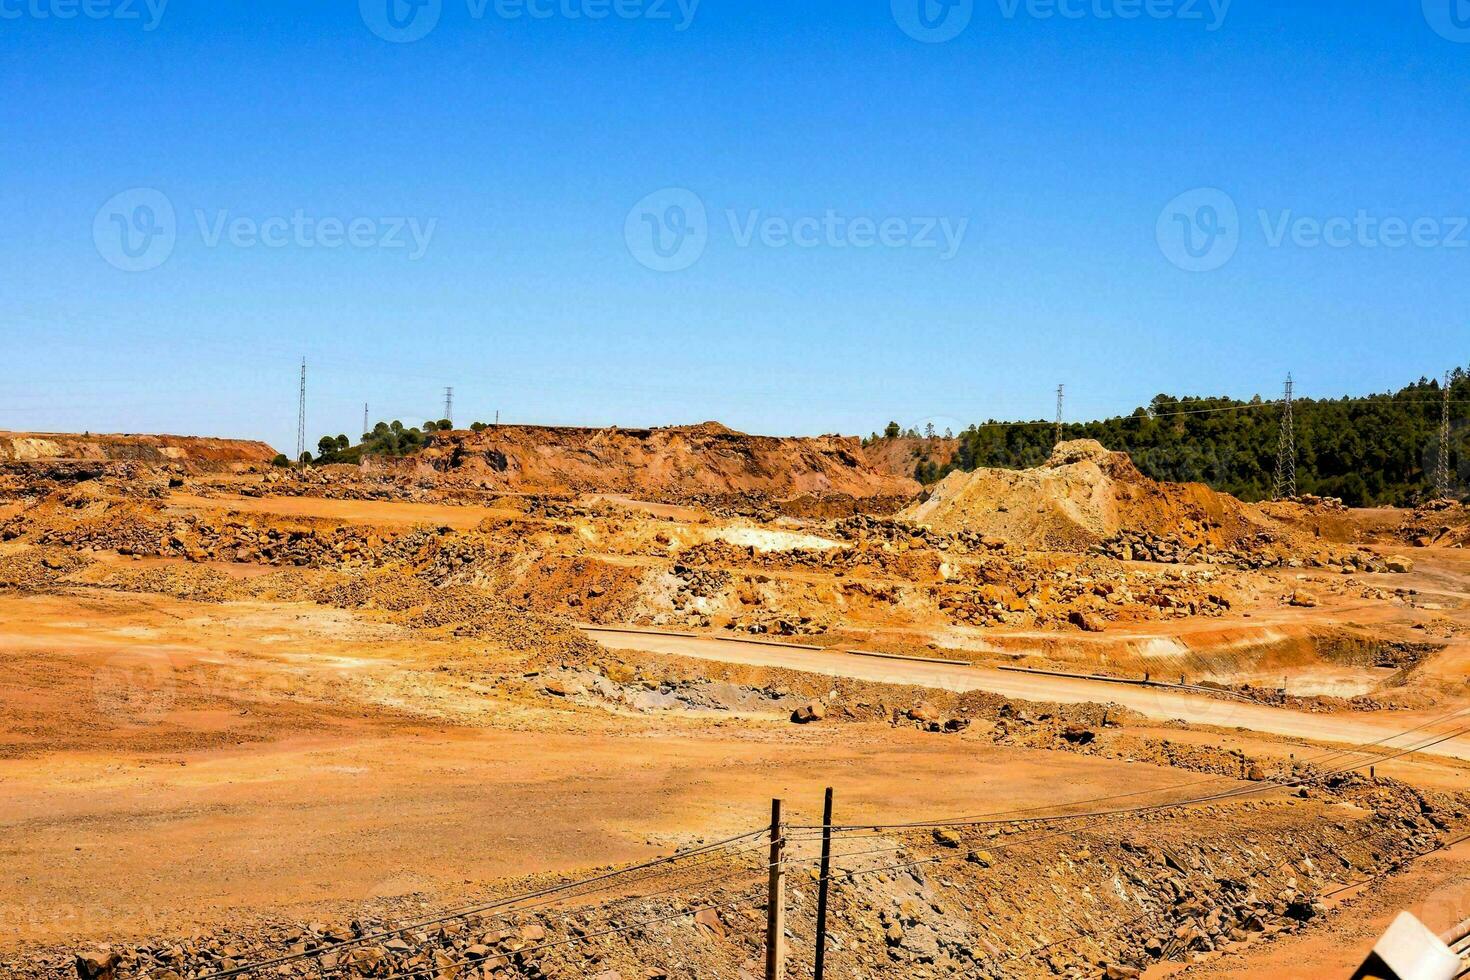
(252, 708)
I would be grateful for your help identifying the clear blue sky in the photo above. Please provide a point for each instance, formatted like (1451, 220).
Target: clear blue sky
(527, 141)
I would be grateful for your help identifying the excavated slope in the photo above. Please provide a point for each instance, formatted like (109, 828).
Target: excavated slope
(191, 451)
(705, 458)
(1083, 495)
(898, 457)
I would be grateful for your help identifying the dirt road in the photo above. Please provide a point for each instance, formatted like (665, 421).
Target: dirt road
(1151, 702)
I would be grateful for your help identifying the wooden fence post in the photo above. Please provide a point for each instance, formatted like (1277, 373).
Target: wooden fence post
(776, 900)
(823, 885)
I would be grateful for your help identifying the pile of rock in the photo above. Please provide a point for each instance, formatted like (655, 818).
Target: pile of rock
(1170, 549)
(1320, 503)
(1264, 552)
(865, 527)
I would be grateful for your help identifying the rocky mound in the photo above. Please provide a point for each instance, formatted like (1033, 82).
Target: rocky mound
(1085, 495)
(194, 453)
(667, 462)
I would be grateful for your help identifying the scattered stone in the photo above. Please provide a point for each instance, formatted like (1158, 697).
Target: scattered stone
(945, 837)
(709, 921)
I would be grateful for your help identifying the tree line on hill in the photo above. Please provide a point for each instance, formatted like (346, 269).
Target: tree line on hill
(1369, 451)
(390, 439)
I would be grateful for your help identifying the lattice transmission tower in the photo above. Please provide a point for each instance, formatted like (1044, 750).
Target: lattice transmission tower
(1442, 472)
(1061, 393)
(1285, 487)
(449, 404)
(301, 415)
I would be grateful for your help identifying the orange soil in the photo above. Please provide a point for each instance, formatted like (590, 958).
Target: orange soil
(678, 460)
(196, 452)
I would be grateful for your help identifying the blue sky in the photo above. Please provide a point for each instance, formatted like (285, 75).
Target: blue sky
(1054, 144)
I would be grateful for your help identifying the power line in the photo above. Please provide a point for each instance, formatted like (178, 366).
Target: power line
(989, 819)
(468, 910)
(432, 971)
(1285, 487)
(602, 882)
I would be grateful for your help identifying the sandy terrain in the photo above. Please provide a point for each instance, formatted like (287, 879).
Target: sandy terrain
(253, 709)
(231, 792)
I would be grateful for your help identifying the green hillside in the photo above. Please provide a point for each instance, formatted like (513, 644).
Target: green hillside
(1378, 449)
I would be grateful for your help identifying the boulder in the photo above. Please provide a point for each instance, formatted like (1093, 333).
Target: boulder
(1087, 621)
(98, 965)
(565, 687)
(924, 711)
(811, 712)
(1079, 734)
(945, 837)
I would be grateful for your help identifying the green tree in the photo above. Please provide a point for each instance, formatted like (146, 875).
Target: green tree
(1374, 450)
